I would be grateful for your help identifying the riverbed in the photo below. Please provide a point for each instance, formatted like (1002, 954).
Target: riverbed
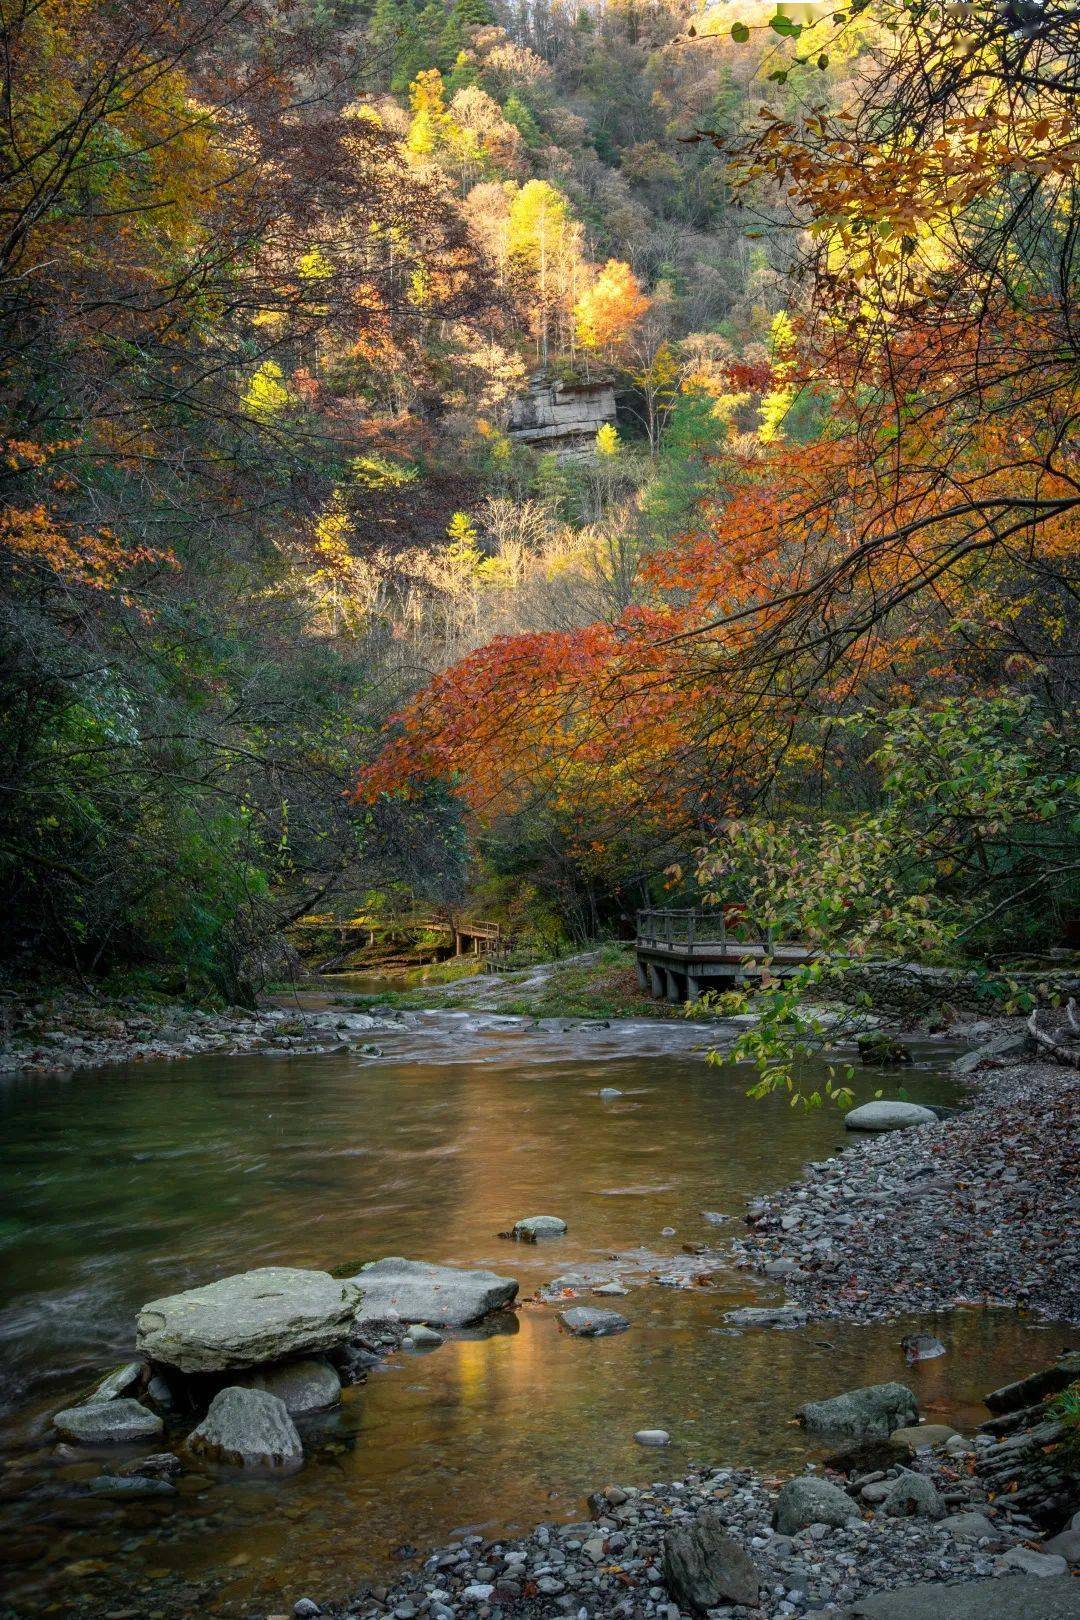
(133, 1181)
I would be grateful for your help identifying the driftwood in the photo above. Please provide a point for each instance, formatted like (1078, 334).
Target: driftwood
(1065, 1050)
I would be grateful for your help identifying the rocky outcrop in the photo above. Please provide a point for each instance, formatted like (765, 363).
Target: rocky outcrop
(561, 416)
(248, 1320)
(248, 1428)
(439, 1296)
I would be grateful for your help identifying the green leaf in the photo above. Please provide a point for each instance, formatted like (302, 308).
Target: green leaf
(782, 25)
(779, 76)
(823, 61)
(740, 33)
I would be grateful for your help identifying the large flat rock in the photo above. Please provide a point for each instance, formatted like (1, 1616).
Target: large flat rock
(1012, 1597)
(120, 1421)
(439, 1296)
(248, 1320)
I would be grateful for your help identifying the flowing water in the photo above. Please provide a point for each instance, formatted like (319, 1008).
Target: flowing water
(127, 1183)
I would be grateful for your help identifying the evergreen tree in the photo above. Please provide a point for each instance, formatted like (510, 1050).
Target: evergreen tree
(516, 112)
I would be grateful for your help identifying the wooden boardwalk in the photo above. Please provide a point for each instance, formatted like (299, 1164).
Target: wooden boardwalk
(463, 934)
(680, 954)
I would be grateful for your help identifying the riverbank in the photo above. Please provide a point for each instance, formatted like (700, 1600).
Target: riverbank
(981, 1208)
(739, 1544)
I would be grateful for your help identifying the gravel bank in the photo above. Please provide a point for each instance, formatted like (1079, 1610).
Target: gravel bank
(981, 1208)
(614, 1564)
(72, 1032)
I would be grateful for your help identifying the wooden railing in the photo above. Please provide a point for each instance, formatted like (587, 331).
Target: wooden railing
(689, 928)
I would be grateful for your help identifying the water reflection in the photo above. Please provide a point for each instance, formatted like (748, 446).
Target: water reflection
(128, 1183)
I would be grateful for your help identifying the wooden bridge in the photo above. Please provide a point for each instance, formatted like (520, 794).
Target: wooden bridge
(460, 934)
(682, 953)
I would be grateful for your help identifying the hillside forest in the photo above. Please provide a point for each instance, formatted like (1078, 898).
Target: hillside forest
(295, 619)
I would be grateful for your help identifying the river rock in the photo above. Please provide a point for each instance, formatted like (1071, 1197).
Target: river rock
(589, 1323)
(777, 1316)
(249, 1319)
(159, 1465)
(921, 1347)
(970, 1526)
(128, 1487)
(125, 1380)
(867, 1455)
(304, 1386)
(1042, 1565)
(703, 1565)
(534, 1227)
(423, 1338)
(874, 1409)
(922, 1436)
(440, 1296)
(105, 1423)
(913, 1496)
(248, 1428)
(809, 1500)
(1066, 1544)
(652, 1437)
(888, 1116)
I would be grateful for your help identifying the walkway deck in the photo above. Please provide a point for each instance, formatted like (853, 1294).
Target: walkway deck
(680, 954)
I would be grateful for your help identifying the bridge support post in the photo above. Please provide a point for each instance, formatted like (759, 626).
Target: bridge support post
(672, 985)
(656, 983)
(642, 977)
(693, 987)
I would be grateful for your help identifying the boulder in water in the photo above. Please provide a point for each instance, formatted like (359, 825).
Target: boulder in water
(248, 1320)
(305, 1386)
(587, 1322)
(440, 1296)
(535, 1227)
(875, 1409)
(105, 1423)
(248, 1428)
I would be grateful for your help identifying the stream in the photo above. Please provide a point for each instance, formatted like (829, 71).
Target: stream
(123, 1184)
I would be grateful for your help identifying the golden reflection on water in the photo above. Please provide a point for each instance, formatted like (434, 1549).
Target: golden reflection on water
(139, 1180)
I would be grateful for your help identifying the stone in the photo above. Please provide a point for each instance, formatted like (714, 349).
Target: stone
(778, 1316)
(306, 1608)
(809, 1500)
(104, 1423)
(703, 1565)
(248, 1319)
(438, 1296)
(423, 1338)
(652, 1437)
(304, 1386)
(610, 1091)
(922, 1436)
(970, 1526)
(921, 1347)
(913, 1496)
(1010, 1597)
(1066, 1544)
(888, 1116)
(248, 1428)
(127, 1487)
(534, 1227)
(865, 1456)
(874, 1409)
(587, 1322)
(1041, 1565)
(125, 1380)
(159, 1465)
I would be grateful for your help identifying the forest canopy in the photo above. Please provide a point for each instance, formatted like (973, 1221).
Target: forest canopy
(295, 613)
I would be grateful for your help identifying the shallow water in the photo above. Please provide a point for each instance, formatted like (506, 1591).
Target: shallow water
(123, 1184)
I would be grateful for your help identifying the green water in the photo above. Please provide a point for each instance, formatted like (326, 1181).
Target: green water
(127, 1183)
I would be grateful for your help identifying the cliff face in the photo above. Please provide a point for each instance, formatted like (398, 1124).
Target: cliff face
(561, 416)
